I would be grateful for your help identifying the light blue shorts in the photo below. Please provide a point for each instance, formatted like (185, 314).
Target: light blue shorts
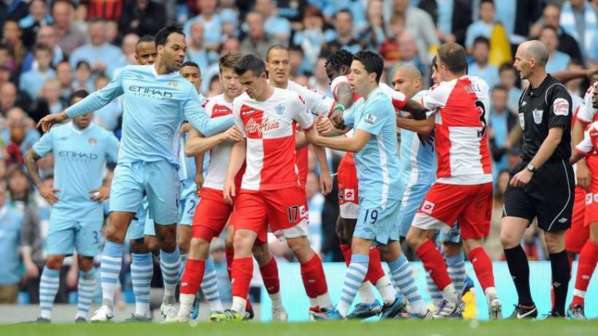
(380, 225)
(142, 224)
(158, 181)
(188, 202)
(412, 199)
(452, 235)
(84, 237)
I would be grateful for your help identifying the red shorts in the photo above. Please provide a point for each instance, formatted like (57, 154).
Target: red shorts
(284, 210)
(211, 214)
(448, 204)
(348, 188)
(578, 233)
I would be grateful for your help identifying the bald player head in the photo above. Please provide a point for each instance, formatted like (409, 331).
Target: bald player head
(531, 59)
(408, 80)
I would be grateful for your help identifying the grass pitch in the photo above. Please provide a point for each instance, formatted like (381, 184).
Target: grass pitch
(330, 328)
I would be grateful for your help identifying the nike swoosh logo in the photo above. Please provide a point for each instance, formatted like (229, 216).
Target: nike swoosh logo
(522, 316)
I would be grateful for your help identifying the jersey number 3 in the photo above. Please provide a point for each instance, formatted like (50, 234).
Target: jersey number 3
(480, 106)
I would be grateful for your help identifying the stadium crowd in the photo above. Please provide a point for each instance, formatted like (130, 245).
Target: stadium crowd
(51, 49)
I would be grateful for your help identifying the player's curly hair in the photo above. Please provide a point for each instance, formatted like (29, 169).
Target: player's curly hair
(339, 58)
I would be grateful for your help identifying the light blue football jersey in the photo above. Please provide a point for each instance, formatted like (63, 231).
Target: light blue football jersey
(417, 161)
(154, 107)
(80, 158)
(377, 162)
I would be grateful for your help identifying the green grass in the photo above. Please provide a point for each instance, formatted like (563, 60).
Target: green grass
(335, 328)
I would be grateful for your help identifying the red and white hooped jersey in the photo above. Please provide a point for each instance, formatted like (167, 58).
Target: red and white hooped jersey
(317, 105)
(589, 144)
(461, 107)
(216, 107)
(269, 128)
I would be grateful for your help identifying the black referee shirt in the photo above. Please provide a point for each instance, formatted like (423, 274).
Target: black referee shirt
(540, 109)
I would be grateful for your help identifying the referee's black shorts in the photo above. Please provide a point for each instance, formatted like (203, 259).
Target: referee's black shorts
(548, 196)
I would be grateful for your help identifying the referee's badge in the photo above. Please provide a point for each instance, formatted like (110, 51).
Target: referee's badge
(537, 114)
(522, 120)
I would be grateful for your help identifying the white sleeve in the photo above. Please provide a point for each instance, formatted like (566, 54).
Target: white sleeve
(585, 146)
(437, 97)
(587, 111)
(237, 115)
(317, 104)
(299, 111)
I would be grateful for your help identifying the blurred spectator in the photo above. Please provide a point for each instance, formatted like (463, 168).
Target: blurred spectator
(389, 50)
(8, 97)
(297, 62)
(105, 9)
(256, 41)
(480, 66)
(492, 244)
(313, 36)
(331, 7)
(212, 23)
(508, 78)
(557, 60)
(407, 54)
(292, 10)
(128, 48)
(219, 258)
(6, 59)
(12, 9)
(70, 36)
(277, 28)
(112, 35)
(196, 51)
(374, 32)
(50, 93)
(102, 56)
(64, 75)
(108, 115)
(501, 122)
(345, 36)
(452, 17)
(319, 81)
(31, 251)
(38, 17)
(26, 134)
(580, 20)
(11, 221)
(142, 17)
(487, 26)
(551, 16)
(32, 80)
(82, 80)
(315, 203)
(45, 35)
(12, 37)
(19, 187)
(576, 86)
(420, 25)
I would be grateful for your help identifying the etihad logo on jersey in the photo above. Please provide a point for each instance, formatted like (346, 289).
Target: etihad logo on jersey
(77, 156)
(151, 92)
(255, 128)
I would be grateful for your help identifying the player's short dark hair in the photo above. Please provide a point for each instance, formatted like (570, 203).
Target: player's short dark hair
(77, 94)
(228, 61)
(162, 34)
(190, 64)
(339, 58)
(482, 40)
(252, 63)
(372, 62)
(453, 55)
(145, 39)
(275, 47)
(487, 1)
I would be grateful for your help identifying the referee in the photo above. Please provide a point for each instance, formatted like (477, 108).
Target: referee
(541, 185)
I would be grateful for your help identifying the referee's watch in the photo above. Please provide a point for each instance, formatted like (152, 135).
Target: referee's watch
(531, 168)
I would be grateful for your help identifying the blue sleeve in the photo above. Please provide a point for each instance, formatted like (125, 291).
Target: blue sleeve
(199, 119)
(111, 148)
(375, 115)
(349, 117)
(98, 99)
(44, 145)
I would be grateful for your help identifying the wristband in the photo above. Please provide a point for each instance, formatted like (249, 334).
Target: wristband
(340, 106)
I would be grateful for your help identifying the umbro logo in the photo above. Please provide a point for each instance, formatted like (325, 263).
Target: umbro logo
(563, 220)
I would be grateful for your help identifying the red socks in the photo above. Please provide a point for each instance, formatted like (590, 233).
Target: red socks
(585, 267)
(270, 276)
(230, 256)
(375, 270)
(482, 266)
(434, 264)
(313, 276)
(346, 251)
(192, 276)
(242, 272)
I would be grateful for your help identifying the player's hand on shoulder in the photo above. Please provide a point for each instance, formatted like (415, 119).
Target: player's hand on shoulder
(49, 193)
(100, 195)
(48, 121)
(233, 134)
